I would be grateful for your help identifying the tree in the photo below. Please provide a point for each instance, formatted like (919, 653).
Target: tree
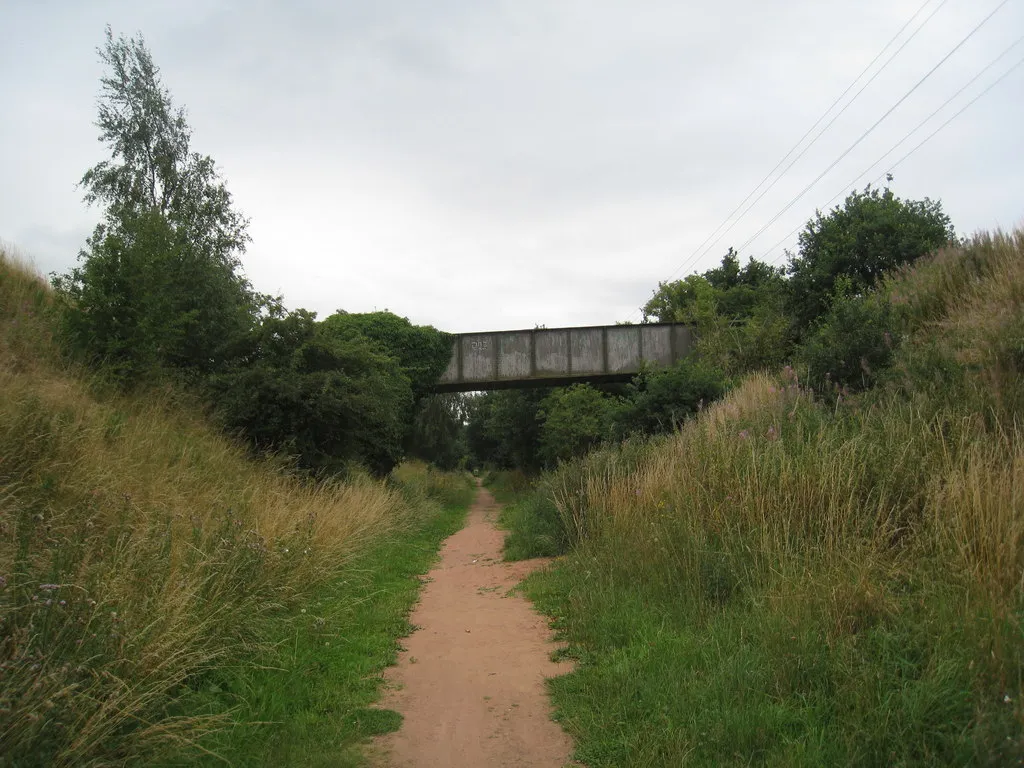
(660, 399)
(503, 428)
(739, 312)
(727, 292)
(438, 430)
(853, 343)
(433, 430)
(690, 300)
(872, 233)
(159, 280)
(575, 419)
(421, 350)
(327, 401)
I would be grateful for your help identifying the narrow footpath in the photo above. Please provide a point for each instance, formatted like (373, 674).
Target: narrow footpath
(470, 682)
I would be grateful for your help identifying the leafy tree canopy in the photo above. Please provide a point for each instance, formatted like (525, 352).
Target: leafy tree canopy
(422, 351)
(690, 300)
(324, 399)
(660, 399)
(740, 313)
(728, 292)
(438, 430)
(159, 280)
(503, 428)
(872, 233)
(575, 419)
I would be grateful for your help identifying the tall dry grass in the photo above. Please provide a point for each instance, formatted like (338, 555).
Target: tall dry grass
(139, 548)
(893, 470)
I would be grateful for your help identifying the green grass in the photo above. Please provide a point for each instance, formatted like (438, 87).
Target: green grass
(533, 527)
(660, 685)
(530, 517)
(507, 485)
(309, 702)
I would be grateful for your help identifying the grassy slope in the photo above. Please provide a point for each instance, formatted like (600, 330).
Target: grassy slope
(142, 555)
(789, 581)
(316, 685)
(531, 522)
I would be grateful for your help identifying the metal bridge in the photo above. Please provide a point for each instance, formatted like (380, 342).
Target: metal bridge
(558, 356)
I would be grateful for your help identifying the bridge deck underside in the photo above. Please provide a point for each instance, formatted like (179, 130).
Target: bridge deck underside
(553, 381)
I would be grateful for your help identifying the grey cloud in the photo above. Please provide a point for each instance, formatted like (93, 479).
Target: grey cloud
(507, 163)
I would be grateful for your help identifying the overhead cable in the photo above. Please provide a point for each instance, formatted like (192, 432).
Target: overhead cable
(878, 122)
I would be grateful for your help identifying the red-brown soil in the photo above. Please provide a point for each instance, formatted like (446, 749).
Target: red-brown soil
(470, 681)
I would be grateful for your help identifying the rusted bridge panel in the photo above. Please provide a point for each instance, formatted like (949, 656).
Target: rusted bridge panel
(556, 356)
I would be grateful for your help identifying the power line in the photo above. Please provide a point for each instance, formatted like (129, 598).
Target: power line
(916, 128)
(835, 117)
(957, 114)
(817, 122)
(924, 141)
(878, 122)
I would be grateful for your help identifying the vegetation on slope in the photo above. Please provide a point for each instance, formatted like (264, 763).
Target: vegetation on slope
(819, 311)
(145, 558)
(164, 596)
(317, 685)
(807, 578)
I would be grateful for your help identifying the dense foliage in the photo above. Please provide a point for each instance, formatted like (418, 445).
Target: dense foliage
(327, 400)
(503, 428)
(739, 313)
(438, 433)
(873, 233)
(574, 420)
(159, 285)
(854, 343)
(421, 351)
(820, 314)
(659, 400)
(534, 429)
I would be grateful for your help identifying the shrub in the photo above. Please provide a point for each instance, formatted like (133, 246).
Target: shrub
(871, 234)
(853, 344)
(574, 420)
(660, 399)
(327, 401)
(534, 526)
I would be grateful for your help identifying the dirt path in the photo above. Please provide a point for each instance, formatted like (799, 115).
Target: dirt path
(471, 680)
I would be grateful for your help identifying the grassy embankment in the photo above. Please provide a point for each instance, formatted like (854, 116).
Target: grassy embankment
(163, 596)
(529, 516)
(791, 580)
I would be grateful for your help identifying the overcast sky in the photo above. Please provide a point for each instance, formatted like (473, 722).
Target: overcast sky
(493, 165)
